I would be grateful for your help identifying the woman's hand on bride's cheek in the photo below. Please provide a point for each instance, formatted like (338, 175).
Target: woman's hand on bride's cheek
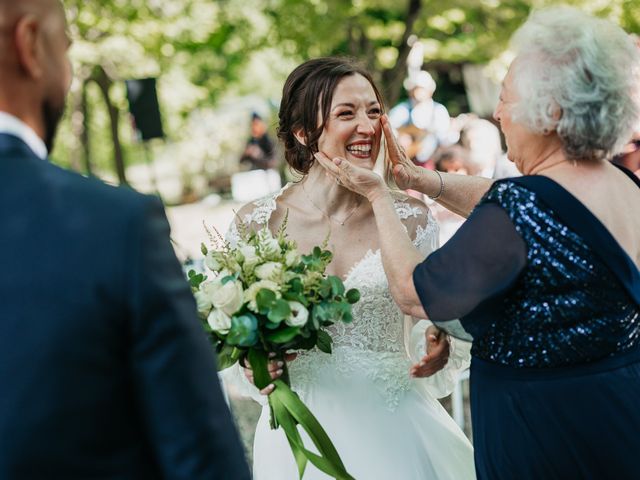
(437, 354)
(405, 172)
(357, 179)
(275, 370)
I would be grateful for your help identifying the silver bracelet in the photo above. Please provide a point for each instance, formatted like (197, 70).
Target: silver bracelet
(441, 187)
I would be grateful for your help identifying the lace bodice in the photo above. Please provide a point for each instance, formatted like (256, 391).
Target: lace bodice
(374, 343)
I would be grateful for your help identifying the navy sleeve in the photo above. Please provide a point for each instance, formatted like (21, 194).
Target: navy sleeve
(480, 261)
(178, 392)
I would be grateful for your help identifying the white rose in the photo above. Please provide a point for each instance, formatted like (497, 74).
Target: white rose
(219, 321)
(250, 256)
(227, 297)
(269, 271)
(203, 301)
(291, 258)
(251, 292)
(299, 315)
(212, 262)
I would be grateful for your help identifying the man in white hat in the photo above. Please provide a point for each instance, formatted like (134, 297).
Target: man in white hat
(422, 124)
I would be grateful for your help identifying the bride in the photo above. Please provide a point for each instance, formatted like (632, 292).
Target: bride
(383, 422)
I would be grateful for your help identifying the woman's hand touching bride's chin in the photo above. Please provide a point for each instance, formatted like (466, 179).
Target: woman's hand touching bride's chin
(357, 179)
(437, 354)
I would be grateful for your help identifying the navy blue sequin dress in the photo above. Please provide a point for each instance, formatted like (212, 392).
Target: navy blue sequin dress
(552, 303)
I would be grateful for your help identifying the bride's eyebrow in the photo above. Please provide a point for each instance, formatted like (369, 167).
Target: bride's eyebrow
(351, 105)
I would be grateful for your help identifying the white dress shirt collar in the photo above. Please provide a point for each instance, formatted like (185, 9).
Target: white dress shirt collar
(14, 126)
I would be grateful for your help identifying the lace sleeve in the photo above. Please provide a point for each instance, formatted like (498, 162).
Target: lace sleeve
(254, 215)
(423, 229)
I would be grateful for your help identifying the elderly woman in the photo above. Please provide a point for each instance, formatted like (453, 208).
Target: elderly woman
(544, 274)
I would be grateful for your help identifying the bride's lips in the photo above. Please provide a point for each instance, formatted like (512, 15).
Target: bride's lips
(360, 149)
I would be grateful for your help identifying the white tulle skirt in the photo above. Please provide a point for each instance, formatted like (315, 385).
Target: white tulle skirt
(416, 440)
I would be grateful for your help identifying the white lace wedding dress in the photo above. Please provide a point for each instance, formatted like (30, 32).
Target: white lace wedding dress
(384, 424)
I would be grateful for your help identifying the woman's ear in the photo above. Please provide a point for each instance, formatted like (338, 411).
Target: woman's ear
(300, 136)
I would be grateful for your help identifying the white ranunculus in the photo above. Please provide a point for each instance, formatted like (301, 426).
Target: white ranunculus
(251, 292)
(269, 271)
(299, 315)
(203, 301)
(227, 297)
(219, 321)
(250, 255)
(212, 262)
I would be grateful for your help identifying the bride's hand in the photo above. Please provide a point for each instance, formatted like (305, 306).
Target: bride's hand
(437, 354)
(405, 172)
(275, 370)
(357, 179)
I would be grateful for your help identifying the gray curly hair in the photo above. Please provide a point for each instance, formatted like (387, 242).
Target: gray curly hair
(578, 75)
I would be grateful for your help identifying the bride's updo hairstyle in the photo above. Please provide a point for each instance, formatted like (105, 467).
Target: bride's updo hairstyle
(306, 105)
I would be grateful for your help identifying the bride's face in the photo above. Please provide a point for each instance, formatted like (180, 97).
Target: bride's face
(353, 130)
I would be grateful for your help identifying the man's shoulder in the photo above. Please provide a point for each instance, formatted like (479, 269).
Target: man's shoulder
(95, 192)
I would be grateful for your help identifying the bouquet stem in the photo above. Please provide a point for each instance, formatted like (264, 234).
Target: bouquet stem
(288, 411)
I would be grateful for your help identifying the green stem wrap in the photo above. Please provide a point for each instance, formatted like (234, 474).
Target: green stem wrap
(288, 411)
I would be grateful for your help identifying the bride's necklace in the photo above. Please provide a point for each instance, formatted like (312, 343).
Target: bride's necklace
(339, 222)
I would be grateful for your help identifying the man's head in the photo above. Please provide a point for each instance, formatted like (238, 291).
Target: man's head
(35, 72)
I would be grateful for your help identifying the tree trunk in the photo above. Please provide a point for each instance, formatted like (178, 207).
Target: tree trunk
(392, 78)
(104, 82)
(84, 133)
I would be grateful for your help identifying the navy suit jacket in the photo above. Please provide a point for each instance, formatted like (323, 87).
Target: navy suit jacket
(105, 372)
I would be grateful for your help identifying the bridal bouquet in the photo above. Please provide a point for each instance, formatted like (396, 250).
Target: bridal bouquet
(263, 298)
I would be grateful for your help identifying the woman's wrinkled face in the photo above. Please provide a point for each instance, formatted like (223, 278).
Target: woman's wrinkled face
(519, 140)
(353, 129)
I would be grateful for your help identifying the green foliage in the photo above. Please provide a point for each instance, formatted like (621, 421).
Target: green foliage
(324, 341)
(195, 279)
(227, 356)
(202, 51)
(244, 330)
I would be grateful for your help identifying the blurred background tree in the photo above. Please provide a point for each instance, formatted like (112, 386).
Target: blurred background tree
(216, 60)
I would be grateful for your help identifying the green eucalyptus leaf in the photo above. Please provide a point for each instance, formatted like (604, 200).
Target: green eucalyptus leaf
(227, 279)
(283, 335)
(324, 341)
(295, 285)
(264, 300)
(337, 287)
(280, 310)
(325, 288)
(244, 331)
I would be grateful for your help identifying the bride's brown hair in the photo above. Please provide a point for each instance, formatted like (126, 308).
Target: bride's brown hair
(306, 97)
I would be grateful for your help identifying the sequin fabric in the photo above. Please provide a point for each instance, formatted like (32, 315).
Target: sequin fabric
(567, 307)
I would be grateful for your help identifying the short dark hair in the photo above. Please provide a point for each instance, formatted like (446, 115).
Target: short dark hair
(309, 90)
